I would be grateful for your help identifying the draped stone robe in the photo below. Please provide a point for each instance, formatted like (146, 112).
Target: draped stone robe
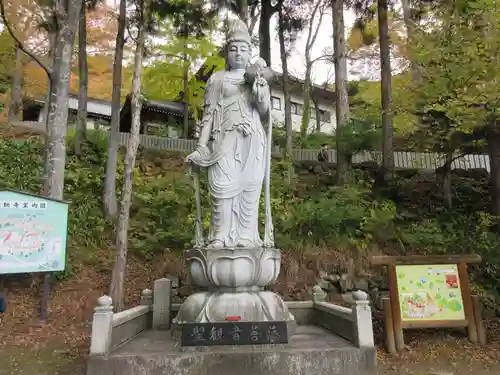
(236, 162)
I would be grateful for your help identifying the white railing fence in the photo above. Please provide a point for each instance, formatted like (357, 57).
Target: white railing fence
(405, 160)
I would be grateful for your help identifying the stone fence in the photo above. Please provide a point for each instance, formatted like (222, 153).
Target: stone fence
(156, 311)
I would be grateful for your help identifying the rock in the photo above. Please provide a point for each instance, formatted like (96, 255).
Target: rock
(361, 284)
(348, 298)
(346, 283)
(174, 280)
(333, 278)
(378, 302)
(374, 294)
(186, 290)
(318, 294)
(325, 285)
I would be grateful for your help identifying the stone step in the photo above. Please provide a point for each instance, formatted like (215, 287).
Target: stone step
(312, 350)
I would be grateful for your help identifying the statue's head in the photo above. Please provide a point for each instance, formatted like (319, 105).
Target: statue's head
(238, 47)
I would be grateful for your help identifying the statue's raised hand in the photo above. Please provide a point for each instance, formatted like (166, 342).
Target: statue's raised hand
(260, 89)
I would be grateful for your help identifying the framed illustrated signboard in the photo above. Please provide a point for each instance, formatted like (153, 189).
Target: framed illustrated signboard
(429, 292)
(33, 232)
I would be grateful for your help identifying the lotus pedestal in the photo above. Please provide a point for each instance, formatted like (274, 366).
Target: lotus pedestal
(232, 284)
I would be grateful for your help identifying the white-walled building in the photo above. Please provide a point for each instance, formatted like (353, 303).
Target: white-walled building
(324, 96)
(156, 114)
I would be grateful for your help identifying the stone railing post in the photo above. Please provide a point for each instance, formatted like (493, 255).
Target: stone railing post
(363, 326)
(147, 297)
(162, 304)
(102, 326)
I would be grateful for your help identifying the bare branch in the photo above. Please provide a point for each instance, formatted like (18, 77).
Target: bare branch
(323, 57)
(313, 33)
(20, 45)
(130, 35)
(321, 9)
(254, 17)
(311, 24)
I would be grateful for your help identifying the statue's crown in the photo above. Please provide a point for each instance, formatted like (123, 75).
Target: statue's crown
(238, 32)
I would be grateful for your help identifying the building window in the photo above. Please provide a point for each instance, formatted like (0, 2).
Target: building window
(293, 108)
(276, 103)
(300, 109)
(297, 108)
(324, 116)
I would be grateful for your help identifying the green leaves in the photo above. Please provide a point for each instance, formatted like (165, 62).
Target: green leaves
(459, 64)
(164, 79)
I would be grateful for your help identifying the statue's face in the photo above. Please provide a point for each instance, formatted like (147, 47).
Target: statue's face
(238, 55)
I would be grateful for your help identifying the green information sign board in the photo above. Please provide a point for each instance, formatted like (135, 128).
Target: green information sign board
(33, 232)
(429, 292)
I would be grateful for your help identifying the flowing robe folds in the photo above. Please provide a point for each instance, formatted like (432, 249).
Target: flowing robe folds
(236, 161)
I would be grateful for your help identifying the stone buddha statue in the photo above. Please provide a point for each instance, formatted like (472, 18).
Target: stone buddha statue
(234, 265)
(237, 102)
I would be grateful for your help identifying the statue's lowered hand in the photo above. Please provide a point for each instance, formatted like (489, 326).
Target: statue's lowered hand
(194, 159)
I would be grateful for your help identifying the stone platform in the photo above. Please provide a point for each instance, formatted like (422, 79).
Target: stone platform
(312, 350)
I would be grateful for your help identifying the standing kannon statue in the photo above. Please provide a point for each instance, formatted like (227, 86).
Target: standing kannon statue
(233, 264)
(237, 104)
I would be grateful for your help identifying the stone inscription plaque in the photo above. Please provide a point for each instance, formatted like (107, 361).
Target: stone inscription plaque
(234, 333)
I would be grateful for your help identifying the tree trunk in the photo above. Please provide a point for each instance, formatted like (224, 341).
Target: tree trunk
(58, 112)
(83, 71)
(46, 106)
(447, 193)
(185, 114)
(341, 94)
(410, 33)
(51, 84)
(306, 110)
(118, 277)
(386, 91)
(110, 205)
(243, 7)
(286, 89)
(266, 12)
(494, 154)
(15, 92)
(316, 113)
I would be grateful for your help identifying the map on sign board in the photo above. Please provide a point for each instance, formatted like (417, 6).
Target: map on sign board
(33, 233)
(430, 292)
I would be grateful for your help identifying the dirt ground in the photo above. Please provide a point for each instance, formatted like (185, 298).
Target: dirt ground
(442, 352)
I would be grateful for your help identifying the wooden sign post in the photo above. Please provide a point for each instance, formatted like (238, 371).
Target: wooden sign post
(429, 292)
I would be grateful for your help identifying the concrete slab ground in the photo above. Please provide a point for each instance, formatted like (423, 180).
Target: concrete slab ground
(312, 350)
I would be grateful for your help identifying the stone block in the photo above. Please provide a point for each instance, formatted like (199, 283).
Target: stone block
(162, 302)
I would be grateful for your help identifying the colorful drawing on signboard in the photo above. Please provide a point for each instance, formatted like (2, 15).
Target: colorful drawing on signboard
(430, 292)
(33, 233)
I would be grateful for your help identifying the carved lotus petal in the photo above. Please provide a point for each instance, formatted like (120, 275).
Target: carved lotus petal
(233, 268)
(245, 305)
(197, 267)
(269, 269)
(232, 271)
